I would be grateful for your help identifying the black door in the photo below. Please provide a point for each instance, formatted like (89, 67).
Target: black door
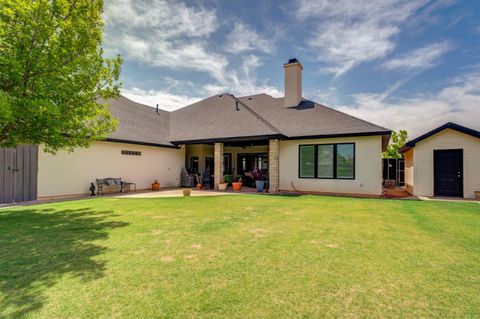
(448, 170)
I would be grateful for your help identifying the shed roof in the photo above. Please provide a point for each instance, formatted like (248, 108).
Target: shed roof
(449, 125)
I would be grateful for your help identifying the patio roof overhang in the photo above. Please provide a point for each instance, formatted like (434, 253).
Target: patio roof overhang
(240, 140)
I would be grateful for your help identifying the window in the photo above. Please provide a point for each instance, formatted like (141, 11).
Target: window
(325, 161)
(345, 161)
(336, 161)
(134, 153)
(307, 161)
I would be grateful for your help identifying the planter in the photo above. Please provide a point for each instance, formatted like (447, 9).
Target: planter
(186, 192)
(155, 186)
(237, 186)
(199, 186)
(259, 185)
(477, 195)
(222, 186)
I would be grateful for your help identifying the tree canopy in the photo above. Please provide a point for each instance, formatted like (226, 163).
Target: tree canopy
(397, 140)
(53, 73)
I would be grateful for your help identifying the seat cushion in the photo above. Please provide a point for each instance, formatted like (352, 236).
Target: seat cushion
(110, 181)
(118, 181)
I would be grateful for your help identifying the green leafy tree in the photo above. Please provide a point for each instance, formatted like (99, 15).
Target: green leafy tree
(397, 140)
(53, 73)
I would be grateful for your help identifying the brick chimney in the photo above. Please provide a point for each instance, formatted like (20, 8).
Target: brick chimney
(293, 83)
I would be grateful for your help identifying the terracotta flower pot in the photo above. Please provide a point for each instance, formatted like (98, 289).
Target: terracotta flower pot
(237, 186)
(155, 186)
(477, 195)
(199, 186)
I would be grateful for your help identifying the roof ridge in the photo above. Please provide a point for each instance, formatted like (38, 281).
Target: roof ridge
(261, 118)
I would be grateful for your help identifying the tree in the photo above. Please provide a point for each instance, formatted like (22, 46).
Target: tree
(53, 73)
(397, 140)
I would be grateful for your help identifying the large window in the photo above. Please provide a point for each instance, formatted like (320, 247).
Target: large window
(307, 161)
(327, 161)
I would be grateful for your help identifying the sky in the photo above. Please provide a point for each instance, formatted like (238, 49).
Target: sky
(401, 64)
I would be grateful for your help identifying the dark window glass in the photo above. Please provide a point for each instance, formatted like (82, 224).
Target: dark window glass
(307, 161)
(345, 160)
(325, 161)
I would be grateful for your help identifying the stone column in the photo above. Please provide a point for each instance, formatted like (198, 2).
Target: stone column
(273, 167)
(218, 154)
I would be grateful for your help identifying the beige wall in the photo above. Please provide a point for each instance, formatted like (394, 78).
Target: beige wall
(409, 177)
(447, 139)
(368, 167)
(71, 173)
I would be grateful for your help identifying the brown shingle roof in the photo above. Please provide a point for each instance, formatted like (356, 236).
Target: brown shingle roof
(309, 118)
(219, 118)
(139, 123)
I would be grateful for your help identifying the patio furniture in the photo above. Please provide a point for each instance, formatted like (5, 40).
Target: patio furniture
(186, 180)
(113, 184)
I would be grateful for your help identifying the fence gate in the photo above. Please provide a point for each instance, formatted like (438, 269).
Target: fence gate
(18, 173)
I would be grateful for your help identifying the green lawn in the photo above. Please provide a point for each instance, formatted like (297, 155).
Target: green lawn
(241, 256)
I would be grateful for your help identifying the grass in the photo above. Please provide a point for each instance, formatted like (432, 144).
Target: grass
(241, 257)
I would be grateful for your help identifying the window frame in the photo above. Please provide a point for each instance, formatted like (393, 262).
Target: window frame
(315, 152)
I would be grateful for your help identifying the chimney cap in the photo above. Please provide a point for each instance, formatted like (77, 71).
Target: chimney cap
(294, 60)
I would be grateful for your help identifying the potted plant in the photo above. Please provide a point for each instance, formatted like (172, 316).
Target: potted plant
(186, 192)
(155, 185)
(199, 186)
(477, 195)
(258, 178)
(227, 179)
(237, 186)
(222, 186)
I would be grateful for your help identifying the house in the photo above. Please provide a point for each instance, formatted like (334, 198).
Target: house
(299, 145)
(443, 162)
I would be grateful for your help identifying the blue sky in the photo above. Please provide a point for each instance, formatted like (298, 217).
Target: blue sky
(403, 64)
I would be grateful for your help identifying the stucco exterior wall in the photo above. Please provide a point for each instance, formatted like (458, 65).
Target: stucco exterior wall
(409, 167)
(447, 139)
(368, 167)
(71, 173)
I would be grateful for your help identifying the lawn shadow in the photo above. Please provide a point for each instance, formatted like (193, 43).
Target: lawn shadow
(40, 245)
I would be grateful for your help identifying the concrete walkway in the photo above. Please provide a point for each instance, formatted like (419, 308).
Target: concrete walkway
(177, 193)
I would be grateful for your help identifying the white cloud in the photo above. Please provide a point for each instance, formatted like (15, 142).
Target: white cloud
(166, 100)
(457, 102)
(419, 59)
(164, 33)
(243, 39)
(351, 32)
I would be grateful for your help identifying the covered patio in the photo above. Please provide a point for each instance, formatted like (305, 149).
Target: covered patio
(234, 158)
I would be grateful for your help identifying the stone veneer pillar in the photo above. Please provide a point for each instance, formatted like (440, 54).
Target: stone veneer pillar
(218, 158)
(273, 168)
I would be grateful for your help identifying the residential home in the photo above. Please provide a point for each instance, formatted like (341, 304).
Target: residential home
(298, 144)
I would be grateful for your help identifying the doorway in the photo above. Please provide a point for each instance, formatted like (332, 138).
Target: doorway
(448, 172)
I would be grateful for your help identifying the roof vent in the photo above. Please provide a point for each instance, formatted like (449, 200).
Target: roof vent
(220, 95)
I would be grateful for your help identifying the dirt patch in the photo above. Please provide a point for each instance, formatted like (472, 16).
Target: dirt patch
(259, 232)
(190, 257)
(167, 259)
(138, 251)
(196, 246)
(332, 245)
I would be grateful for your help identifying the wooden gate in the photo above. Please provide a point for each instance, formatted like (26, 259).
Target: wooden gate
(18, 174)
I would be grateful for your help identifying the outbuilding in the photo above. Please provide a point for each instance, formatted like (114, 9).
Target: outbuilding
(443, 162)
